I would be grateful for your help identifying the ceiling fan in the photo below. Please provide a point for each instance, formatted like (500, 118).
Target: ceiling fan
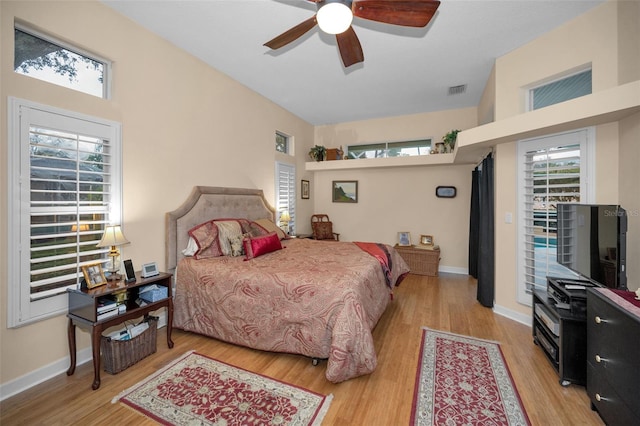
(335, 17)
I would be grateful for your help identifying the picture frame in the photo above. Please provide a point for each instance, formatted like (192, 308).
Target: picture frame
(344, 191)
(93, 275)
(304, 189)
(404, 239)
(426, 240)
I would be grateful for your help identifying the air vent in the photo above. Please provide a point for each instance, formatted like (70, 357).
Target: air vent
(457, 90)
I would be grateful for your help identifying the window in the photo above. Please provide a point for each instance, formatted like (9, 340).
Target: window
(41, 57)
(390, 149)
(551, 170)
(282, 143)
(286, 193)
(64, 175)
(561, 90)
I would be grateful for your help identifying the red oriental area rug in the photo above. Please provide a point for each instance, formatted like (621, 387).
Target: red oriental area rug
(464, 381)
(196, 389)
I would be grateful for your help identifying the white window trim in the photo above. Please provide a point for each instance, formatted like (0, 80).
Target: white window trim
(570, 73)
(20, 310)
(587, 184)
(106, 77)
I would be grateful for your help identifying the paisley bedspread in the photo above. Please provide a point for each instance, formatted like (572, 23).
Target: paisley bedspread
(320, 299)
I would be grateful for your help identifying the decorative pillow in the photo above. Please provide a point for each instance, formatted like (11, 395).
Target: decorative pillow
(191, 249)
(237, 246)
(205, 236)
(254, 247)
(254, 229)
(323, 230)
(227, 230)
(269, 226)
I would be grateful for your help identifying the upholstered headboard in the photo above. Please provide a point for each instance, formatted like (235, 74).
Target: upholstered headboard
(206, 203)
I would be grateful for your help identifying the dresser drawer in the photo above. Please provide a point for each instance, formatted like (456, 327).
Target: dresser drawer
(608, 402)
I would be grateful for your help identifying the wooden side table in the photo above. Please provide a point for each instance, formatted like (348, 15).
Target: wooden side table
(83, 312)
(421, 261)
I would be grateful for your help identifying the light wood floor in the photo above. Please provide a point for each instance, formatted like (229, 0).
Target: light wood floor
(382, 398)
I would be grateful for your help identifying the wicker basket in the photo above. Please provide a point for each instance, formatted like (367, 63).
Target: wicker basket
(117, 355)
(420, 261)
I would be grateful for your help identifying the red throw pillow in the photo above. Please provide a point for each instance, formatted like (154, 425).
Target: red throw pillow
(257, 246)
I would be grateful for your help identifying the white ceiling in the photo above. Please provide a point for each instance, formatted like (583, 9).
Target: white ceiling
(406, 70)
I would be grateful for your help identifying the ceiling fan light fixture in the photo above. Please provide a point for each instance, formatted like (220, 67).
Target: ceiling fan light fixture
(334, 16)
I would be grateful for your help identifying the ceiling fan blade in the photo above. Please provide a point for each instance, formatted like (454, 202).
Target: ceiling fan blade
(350, 48)
(408, 13)
(292, 34)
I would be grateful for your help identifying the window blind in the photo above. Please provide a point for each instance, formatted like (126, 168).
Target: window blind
(551, 175)
(286, 192)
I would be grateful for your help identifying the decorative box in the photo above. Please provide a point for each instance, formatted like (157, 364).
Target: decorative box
(153, 295)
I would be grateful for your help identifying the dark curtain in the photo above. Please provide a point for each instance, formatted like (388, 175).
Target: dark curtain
(481, 232)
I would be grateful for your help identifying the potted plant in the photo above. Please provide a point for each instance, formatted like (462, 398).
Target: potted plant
(318, 153)
(450, 140)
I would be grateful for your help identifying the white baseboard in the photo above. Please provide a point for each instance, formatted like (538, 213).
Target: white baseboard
(453, 270)
(54, 369)
(514, 315)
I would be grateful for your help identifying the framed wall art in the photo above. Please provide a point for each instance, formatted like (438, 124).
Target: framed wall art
(304, 189)
(404, 239)
(93, 275)
(345, 191)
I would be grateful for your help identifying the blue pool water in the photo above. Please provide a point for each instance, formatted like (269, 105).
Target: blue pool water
(542, 242)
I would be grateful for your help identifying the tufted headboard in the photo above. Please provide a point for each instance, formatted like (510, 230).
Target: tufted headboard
(206, 203)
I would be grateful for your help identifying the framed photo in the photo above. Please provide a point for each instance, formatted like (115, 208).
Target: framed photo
(304, 189)
(426, 240)
(345, 191)
(404, 239)
(93, 275)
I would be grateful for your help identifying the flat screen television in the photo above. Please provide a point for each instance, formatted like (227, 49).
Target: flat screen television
(592, 241)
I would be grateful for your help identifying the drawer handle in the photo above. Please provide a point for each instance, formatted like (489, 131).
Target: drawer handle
(598, 320)
(598, 397)
(598, 359)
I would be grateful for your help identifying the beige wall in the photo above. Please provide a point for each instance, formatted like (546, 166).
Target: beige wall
(183, 124)
(397, 199)
(595, 38)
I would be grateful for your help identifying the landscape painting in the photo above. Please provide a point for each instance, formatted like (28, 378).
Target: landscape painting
(345, 191)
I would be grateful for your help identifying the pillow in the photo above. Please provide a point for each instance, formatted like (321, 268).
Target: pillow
(323, 230)
(257, 246)
(191, 249)
(227, 230)
(205, 236)
(253, 229)
(237, 246)
(271, 227)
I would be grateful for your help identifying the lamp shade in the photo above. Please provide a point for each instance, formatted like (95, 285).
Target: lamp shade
(112, 236)
(284, 217)
(334, 17)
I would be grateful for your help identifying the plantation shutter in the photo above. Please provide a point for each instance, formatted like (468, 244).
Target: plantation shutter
(286, 192)
(551, 175)
(70, 193)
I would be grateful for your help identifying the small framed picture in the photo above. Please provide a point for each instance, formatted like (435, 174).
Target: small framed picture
(426, 240)
(304, 189)
(345, 191)
(404, 239)
(93, 275)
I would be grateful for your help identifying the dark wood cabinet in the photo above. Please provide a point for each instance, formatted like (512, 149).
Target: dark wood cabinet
(562, 336)
(613, 357)
(85, 312)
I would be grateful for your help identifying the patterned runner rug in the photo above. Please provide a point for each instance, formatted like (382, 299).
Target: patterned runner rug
(464, 381)
(195, 389)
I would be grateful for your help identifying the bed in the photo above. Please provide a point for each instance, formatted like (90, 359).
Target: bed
(320, 299)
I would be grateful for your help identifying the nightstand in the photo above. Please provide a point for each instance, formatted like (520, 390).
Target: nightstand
(421, 261)
(85, 311)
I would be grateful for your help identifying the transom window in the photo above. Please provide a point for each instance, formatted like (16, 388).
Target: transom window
(561, 90)
(53, 61)
(283, 143)
(390, 149)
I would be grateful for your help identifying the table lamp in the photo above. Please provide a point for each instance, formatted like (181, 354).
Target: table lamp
(113, 237)
(284, 221)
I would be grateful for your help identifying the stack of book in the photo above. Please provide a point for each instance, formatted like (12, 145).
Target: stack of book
(108, 308)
